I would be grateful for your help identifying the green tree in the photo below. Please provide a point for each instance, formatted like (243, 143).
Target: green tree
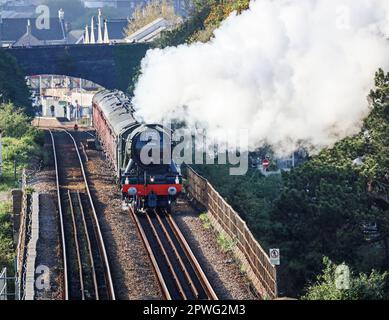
(6, 241)
(328, 204)
(359, 287)
(13, 121)
(13, 87)
(205, 18)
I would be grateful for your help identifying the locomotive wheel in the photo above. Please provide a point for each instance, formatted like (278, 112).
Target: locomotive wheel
(137, 205)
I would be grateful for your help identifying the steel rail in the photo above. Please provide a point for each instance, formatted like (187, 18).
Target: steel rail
(192, 259)
(61, 220)
(89, 247)
(180, 261)
(142, 233)
(75, 234)
(165, 235)
(170, 265)
(103, 252)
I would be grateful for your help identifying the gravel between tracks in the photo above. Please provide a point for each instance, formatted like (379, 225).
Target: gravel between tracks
(222, 272)
(132, 271)
(48, 246)
(130, 266)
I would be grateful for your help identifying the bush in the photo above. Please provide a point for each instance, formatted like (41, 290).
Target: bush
(20, 143)
(6, 241)
(360, 287)
(14, 122)
(12, 84)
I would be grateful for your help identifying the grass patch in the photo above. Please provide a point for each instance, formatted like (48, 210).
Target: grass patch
(21, 142)
(205, 220)
(225, 242)
(6, 236)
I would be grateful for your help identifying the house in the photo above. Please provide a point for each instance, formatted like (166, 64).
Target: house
(27, 31)
(125, 4)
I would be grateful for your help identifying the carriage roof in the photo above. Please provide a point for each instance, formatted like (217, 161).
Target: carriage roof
(117, 109)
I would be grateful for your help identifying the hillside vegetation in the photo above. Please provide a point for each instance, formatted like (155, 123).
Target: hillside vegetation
(206, 17)
(150, 12)
(335, 206)
(13, 87)
(20, 143)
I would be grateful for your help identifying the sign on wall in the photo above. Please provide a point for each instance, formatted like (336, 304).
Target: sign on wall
(274, 255)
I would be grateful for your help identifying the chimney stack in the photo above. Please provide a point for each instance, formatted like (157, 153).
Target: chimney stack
(106, 36)
(99, 31)
(61, 14)
(86, 35)
(28, 26)
(92, 31)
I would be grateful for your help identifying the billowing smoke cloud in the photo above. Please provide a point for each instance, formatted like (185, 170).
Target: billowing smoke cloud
(292, 72)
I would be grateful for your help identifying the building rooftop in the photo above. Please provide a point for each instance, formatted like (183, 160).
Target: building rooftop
(116, 28)
(13, 29)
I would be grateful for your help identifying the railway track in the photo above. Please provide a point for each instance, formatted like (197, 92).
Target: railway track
(87, 274)
(179, 274)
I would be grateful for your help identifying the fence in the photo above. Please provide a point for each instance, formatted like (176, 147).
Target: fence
(253, 258)
(3, 284)
(22, 237)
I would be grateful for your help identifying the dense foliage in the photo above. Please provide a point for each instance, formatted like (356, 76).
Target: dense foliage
(13, 86)
(251, 195)
(6, 241)
(336, 204)
(363, 286)
(205, 18)
(21, 142)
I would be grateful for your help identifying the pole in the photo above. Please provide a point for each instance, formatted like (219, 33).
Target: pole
(15, 169)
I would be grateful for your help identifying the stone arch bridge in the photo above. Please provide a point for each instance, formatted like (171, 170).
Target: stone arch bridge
(111, 66)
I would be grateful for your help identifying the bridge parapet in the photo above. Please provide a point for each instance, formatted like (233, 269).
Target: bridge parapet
(111, 66)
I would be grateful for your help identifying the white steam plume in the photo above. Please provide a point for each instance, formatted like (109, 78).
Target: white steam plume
(290, 71)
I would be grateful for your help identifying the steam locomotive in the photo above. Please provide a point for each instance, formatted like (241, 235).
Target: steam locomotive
(146, 180)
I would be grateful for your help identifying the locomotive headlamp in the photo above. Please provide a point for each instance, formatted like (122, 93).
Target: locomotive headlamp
(177, 180)
(126, 181)
(132, 191)
(172, 191)
(151, 179)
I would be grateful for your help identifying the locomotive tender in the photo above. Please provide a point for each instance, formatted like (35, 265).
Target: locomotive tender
(145, 184)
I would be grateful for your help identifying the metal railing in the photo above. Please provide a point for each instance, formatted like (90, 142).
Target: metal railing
(8, 283)
(3, 284)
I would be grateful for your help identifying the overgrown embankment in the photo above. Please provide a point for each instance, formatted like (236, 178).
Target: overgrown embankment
(21, 143)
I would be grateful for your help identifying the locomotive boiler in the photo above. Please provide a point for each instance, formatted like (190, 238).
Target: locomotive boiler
(139, 152)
